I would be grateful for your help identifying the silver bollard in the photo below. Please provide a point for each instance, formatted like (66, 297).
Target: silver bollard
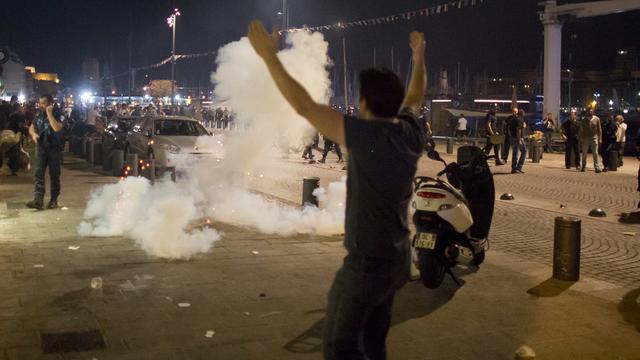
(84, 148)
(132, 164)
(149, 170)
(97, 153)
(566, 248)
(90, 150)
(309, 184)
(449, 146)
(117, 162)
(106, 158)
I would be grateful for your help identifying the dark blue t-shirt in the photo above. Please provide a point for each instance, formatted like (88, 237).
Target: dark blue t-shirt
(383, 157)
(49, 139)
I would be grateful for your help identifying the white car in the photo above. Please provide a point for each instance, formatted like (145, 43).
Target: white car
(170, 140)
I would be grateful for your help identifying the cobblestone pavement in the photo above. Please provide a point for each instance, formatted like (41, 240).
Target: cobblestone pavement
(270, 305)
(524, 227)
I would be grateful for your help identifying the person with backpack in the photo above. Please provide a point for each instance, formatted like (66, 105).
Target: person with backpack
(590, 137)
(491, 132)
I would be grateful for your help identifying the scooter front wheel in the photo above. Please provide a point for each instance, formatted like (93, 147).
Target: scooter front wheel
(432, 269)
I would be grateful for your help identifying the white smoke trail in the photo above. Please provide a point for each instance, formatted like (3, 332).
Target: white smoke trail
(157, 217)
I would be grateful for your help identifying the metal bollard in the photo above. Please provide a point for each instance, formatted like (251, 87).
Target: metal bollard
(106, 158)
(132, 161)
(149, 170)
(449, 146)
(566, 248)
(97, 153)
(117, 162)
(536, 153)
(309, 184)
(83, 153)
(90, 151)
(613, 160)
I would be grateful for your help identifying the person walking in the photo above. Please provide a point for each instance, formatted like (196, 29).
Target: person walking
(621, 138)
(549, 128)
(570, 132)
(518, 147)
(46, 132)
(311, 142)
(503, 126)
(328, 145)
(590, 137)
(384, 144)
(491, 132)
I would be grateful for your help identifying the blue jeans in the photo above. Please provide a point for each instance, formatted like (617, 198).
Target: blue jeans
(359, 309)
(516, 146)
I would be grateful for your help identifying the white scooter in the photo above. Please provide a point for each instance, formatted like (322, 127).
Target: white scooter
(452, 217)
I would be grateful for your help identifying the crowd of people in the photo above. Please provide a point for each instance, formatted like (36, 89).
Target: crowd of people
(580, 134)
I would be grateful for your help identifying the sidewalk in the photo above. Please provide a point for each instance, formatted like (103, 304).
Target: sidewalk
(271, 305)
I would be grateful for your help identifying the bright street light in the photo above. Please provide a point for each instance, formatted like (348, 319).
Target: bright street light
(172, 20)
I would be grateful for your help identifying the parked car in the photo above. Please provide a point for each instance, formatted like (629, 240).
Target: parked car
(170, 140)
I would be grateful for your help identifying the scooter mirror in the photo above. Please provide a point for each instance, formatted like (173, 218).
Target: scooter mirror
(434, 155)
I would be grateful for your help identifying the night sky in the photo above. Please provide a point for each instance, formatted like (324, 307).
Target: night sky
(499, 35)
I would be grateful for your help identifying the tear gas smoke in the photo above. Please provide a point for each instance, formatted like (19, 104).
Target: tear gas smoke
(158, 217)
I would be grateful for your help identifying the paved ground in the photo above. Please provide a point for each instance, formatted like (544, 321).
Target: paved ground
(271, 305)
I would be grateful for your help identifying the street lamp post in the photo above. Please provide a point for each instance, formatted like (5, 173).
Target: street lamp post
(171, 20)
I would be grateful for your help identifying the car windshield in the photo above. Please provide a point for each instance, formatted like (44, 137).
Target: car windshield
(178, 128)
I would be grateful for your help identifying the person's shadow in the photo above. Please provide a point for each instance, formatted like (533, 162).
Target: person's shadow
(413, 301)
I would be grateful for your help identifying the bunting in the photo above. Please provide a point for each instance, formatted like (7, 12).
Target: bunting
(409, 15)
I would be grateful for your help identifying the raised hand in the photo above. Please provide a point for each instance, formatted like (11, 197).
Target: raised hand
(263, 43)
(417, 43)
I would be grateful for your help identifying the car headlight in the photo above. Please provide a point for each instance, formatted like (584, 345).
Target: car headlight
(171, 148)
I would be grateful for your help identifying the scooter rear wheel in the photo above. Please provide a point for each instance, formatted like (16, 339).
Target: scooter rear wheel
(432, 269)
(479, 258)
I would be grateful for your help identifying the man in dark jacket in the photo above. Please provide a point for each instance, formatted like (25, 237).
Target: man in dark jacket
(609, 143)
(492, 130)
(46, 132)
(570, 132)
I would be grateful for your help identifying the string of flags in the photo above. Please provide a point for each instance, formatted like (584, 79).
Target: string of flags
(409, 15)
(177, 57)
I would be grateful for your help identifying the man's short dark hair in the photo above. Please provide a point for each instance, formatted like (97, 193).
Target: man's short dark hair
(383, 91)
(48, 97)
(14, 98)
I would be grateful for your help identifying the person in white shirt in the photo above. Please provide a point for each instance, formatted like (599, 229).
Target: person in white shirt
(92, 118)
(621, 138)
(461, 127)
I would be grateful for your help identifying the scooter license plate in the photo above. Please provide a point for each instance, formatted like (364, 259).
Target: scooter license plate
(425, 241)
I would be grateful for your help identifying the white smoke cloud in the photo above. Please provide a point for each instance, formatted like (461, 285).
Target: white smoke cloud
(158, 217)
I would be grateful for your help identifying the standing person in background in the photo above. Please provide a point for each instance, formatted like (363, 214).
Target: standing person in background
(503, 126)
(590, 137)
(92, 118)
(621, 138)
(516, 134)
(461, 128)
(570, 132)
(385, 143)
(46, 132)
(609, 144)
(549, 127)
(492, 130)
